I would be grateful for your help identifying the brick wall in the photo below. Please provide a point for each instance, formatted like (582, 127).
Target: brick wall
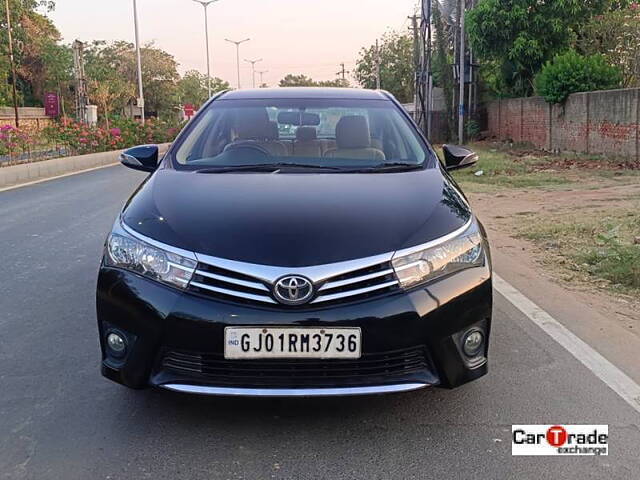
(31, 118)
(535, 121)
(604, 122)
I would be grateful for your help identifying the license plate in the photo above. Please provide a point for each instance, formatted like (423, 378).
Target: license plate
(291, 342)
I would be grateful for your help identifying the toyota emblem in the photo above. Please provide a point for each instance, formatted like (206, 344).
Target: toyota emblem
(293, 290)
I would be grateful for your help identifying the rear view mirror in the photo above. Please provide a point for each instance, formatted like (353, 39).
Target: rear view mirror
(299, 119)
(456, 156)
(143, 158)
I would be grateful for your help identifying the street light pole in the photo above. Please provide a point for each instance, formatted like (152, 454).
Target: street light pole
(205, 4)
(139, 61)
(253, 69)
(237, 44)
(12, 65)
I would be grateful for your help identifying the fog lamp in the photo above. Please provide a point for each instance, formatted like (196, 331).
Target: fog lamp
(472, 343)
(117, 344)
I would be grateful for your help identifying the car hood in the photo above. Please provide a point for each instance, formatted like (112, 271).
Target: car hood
(295, 219)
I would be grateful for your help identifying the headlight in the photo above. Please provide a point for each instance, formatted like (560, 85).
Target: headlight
(123, 250)
(413, 266)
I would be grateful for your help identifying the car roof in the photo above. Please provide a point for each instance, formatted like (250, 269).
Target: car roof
(305, 92)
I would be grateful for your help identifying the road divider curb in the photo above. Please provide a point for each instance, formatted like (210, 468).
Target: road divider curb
(24, 174)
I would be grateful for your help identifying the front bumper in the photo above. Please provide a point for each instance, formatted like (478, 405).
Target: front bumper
(410, 339)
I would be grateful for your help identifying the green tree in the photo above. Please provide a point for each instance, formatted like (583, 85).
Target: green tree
(616, 35)
(337, 83)
(115, 64)
(32, 31)
(304, 81)
(44, 63)
(519, 36)
(160, 78)
(397, 74)
(193, 88)
(58, 63)
(297, 81)
(111, 83)
(571, 72)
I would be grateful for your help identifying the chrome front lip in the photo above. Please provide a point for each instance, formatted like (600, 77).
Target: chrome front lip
(293, 392)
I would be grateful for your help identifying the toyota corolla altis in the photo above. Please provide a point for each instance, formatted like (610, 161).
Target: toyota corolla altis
(296, 242)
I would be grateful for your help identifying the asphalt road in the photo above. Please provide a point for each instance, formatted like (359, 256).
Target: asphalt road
(59, 419)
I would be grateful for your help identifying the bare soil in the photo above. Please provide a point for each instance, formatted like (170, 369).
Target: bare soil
(504, 214)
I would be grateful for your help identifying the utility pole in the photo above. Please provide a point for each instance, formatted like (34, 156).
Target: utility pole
(237, 44)
(12, 65)
(253, 69)
(377, 65)
(422, 61)
(427, 76)
(471, 108)
(140, 101)
(343, 72)
(261, 73)
(461, 75)
(205, 4)
(417, 62)
(81, 83)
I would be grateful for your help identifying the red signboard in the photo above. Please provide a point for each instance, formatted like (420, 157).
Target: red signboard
(189, 111)
(51, 105)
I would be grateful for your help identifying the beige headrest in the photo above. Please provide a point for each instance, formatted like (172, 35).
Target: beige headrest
(352, 131)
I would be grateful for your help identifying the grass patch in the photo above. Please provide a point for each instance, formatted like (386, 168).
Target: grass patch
(503, 170)
(595, 247)
(516, 168)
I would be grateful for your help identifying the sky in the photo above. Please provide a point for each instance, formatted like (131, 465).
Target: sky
(311, 37)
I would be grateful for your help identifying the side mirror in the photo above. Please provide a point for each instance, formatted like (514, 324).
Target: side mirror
(456, 157)
(143, 158)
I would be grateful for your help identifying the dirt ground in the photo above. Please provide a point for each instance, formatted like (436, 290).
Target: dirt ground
(507, 212)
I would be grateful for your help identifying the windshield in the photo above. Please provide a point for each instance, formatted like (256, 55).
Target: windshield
(326, 134)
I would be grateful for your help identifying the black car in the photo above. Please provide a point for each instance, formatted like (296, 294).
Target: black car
(296, 242)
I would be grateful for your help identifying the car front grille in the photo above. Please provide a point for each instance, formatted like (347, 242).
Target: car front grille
(336, 283)
(370, 369)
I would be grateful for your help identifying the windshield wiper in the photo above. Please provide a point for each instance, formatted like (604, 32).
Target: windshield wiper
(240, 168)
(387, 167)
(266, 167)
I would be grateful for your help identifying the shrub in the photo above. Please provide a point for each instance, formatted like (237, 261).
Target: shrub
(123, 133)
(614, 260)
(472, 129)
(14, 140)
(571, 72)
(81, 138)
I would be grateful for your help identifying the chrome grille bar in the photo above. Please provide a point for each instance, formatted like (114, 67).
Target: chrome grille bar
(233, 293)
(349, 281)
(236, 281)
(327, 278)
(317, 274)
(351, 293)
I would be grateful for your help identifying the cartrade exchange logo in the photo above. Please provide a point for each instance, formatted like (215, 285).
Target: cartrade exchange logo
(560, 440)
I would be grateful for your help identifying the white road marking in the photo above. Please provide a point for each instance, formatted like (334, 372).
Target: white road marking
(34, 182)
(602, 368)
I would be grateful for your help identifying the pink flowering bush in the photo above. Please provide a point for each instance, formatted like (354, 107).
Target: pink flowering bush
(79, 138)
(14, 141)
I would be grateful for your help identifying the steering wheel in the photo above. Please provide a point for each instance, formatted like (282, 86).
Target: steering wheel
(249, 144)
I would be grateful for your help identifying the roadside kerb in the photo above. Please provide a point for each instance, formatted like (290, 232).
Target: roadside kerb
(29, 172)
